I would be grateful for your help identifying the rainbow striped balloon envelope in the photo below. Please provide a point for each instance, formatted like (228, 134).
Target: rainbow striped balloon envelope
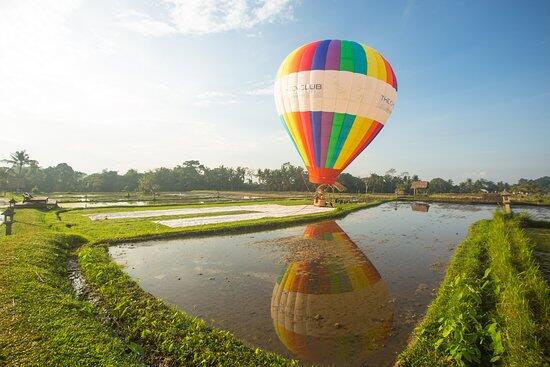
(333, 97)
(331, 306)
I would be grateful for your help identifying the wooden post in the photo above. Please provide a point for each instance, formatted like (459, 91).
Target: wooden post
(8, 219)
(8, 228)
(506, 202)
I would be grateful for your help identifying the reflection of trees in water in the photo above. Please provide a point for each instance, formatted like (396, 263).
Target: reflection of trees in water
(330, 305)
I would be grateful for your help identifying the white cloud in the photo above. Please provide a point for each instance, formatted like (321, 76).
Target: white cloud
(258, 34)
(145, 24)
(198, 17)
(214, 94)
(260, 91)
(216, 97)
(475, 174)
(226, 98)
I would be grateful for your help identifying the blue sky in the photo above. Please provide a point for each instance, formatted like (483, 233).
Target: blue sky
(143, 84)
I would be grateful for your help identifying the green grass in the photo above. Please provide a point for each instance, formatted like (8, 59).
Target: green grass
(181, 216)
(124, 230)
(41, 322)
(523, 297)
(164, 331)
(88, 211)
(453, 331)
(188, 196)
(541, 238)
(10, 195)
(492, 307)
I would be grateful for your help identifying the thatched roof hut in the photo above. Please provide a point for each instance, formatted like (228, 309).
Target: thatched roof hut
(419, 185)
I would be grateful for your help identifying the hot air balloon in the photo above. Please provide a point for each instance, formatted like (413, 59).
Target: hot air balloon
(333, 97)
(332, 307)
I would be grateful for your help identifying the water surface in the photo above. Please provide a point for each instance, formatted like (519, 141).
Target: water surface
(345, 292)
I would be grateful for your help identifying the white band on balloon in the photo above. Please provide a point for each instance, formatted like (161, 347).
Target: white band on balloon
(335, 91)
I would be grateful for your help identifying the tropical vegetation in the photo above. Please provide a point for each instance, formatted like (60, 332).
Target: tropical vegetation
(24, 174)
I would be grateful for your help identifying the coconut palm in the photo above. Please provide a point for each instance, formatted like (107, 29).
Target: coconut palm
(20, 159)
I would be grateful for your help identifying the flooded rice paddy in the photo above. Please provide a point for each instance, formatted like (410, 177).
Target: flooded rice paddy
(345, 292)
(222, 214)
(96, 200)
(102, 204)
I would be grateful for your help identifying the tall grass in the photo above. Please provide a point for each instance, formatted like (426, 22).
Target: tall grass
(458, 330)
(492, 307)
(523, 297)
(41, 322)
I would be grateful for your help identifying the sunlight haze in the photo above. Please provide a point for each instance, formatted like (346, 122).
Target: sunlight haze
(143, 84)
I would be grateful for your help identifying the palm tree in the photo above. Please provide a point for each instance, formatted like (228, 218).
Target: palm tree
(20, 159)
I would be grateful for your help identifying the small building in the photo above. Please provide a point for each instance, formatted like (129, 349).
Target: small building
(37, 202)
(420, 207)
(419, 187)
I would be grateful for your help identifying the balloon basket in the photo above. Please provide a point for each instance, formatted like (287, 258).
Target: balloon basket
(324, 194)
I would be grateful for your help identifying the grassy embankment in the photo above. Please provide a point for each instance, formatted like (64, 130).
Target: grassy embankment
(7, 196)
(47, 326)
(41, 322)
(125, 230)
(492, 308)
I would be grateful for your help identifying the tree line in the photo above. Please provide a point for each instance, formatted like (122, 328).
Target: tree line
(25, 174)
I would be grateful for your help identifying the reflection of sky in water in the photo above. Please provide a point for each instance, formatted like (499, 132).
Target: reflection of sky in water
(236, 282)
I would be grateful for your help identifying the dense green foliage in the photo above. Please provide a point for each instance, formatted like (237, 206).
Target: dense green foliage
(492, 307)
(541, 184)
(25, 174)
(41, 322)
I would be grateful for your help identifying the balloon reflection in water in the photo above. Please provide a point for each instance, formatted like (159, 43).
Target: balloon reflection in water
(330, 305)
